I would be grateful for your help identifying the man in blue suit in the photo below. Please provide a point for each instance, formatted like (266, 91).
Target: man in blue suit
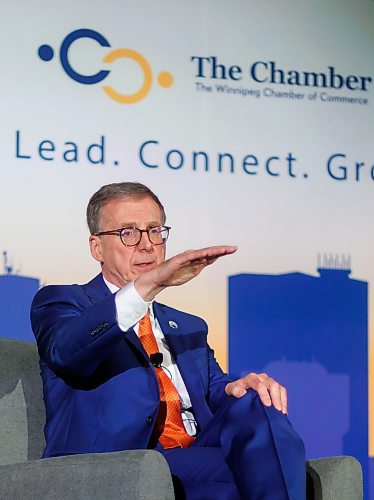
(103, 392)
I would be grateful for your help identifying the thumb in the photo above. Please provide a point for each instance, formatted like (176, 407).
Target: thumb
(235, 389)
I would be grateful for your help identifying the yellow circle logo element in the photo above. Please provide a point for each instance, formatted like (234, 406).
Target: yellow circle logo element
(143, 63)
(165, 79)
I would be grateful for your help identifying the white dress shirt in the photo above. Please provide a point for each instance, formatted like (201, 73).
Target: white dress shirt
(130, 309)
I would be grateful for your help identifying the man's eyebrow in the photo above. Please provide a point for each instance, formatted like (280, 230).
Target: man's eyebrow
(135, 224)
(128, 224)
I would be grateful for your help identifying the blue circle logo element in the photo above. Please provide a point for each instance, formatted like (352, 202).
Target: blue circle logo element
(164, 79)
(45, 52)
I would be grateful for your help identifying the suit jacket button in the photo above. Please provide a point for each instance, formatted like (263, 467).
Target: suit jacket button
(149, 420)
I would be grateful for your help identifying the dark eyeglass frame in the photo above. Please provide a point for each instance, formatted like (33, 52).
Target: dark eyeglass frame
(118, 232)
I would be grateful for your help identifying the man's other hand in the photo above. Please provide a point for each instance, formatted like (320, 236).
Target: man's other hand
(269, 390)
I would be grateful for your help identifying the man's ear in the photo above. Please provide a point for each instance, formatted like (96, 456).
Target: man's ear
(95, 247)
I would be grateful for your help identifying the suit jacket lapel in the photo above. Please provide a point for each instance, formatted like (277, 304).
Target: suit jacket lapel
(182, 354)
(97, 290)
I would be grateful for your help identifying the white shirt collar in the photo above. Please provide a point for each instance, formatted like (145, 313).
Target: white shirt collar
(112, 288)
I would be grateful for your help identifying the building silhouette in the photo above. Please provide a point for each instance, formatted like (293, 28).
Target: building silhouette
(311, 334)
(16, 294)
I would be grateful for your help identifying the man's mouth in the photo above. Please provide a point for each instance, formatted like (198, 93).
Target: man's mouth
(144, 265)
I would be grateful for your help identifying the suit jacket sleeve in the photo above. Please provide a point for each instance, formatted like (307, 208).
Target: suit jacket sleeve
(74, 334)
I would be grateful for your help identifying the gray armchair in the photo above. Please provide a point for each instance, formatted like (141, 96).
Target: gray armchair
(135, 474)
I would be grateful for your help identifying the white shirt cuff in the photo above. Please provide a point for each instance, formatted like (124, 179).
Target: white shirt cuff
(130, 307)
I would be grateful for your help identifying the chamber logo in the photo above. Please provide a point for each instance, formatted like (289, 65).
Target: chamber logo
(164, 78)
(269, 79)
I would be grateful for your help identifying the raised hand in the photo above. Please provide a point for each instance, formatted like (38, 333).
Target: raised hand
(179, 269)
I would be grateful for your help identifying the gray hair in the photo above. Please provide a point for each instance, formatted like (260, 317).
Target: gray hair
(114, 191)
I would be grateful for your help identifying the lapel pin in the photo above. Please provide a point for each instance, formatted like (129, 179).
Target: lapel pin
(173, 325)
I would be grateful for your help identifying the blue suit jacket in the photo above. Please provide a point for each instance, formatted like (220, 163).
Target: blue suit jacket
(100, 390)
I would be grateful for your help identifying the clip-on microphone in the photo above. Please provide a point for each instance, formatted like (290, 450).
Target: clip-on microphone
(156, 359)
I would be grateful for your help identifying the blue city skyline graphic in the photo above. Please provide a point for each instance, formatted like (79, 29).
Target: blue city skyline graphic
(311, 334)
(16, 294)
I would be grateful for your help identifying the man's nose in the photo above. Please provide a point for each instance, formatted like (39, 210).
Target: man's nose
(144, 243)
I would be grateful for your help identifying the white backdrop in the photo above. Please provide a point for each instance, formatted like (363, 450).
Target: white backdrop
(280, 222)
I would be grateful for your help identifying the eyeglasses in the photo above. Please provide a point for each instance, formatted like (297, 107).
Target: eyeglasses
(131, 236)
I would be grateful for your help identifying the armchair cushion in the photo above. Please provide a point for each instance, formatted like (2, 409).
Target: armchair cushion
(140, 474)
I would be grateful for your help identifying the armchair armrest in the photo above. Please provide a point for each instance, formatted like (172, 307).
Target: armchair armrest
(140, 474)
(334, 477)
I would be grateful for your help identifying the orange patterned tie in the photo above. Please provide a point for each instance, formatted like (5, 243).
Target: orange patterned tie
(169, 426)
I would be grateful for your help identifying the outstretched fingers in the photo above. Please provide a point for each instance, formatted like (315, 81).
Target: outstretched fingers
(208, 255)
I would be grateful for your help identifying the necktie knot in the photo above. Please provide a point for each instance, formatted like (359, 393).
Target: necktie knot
(146, 335)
